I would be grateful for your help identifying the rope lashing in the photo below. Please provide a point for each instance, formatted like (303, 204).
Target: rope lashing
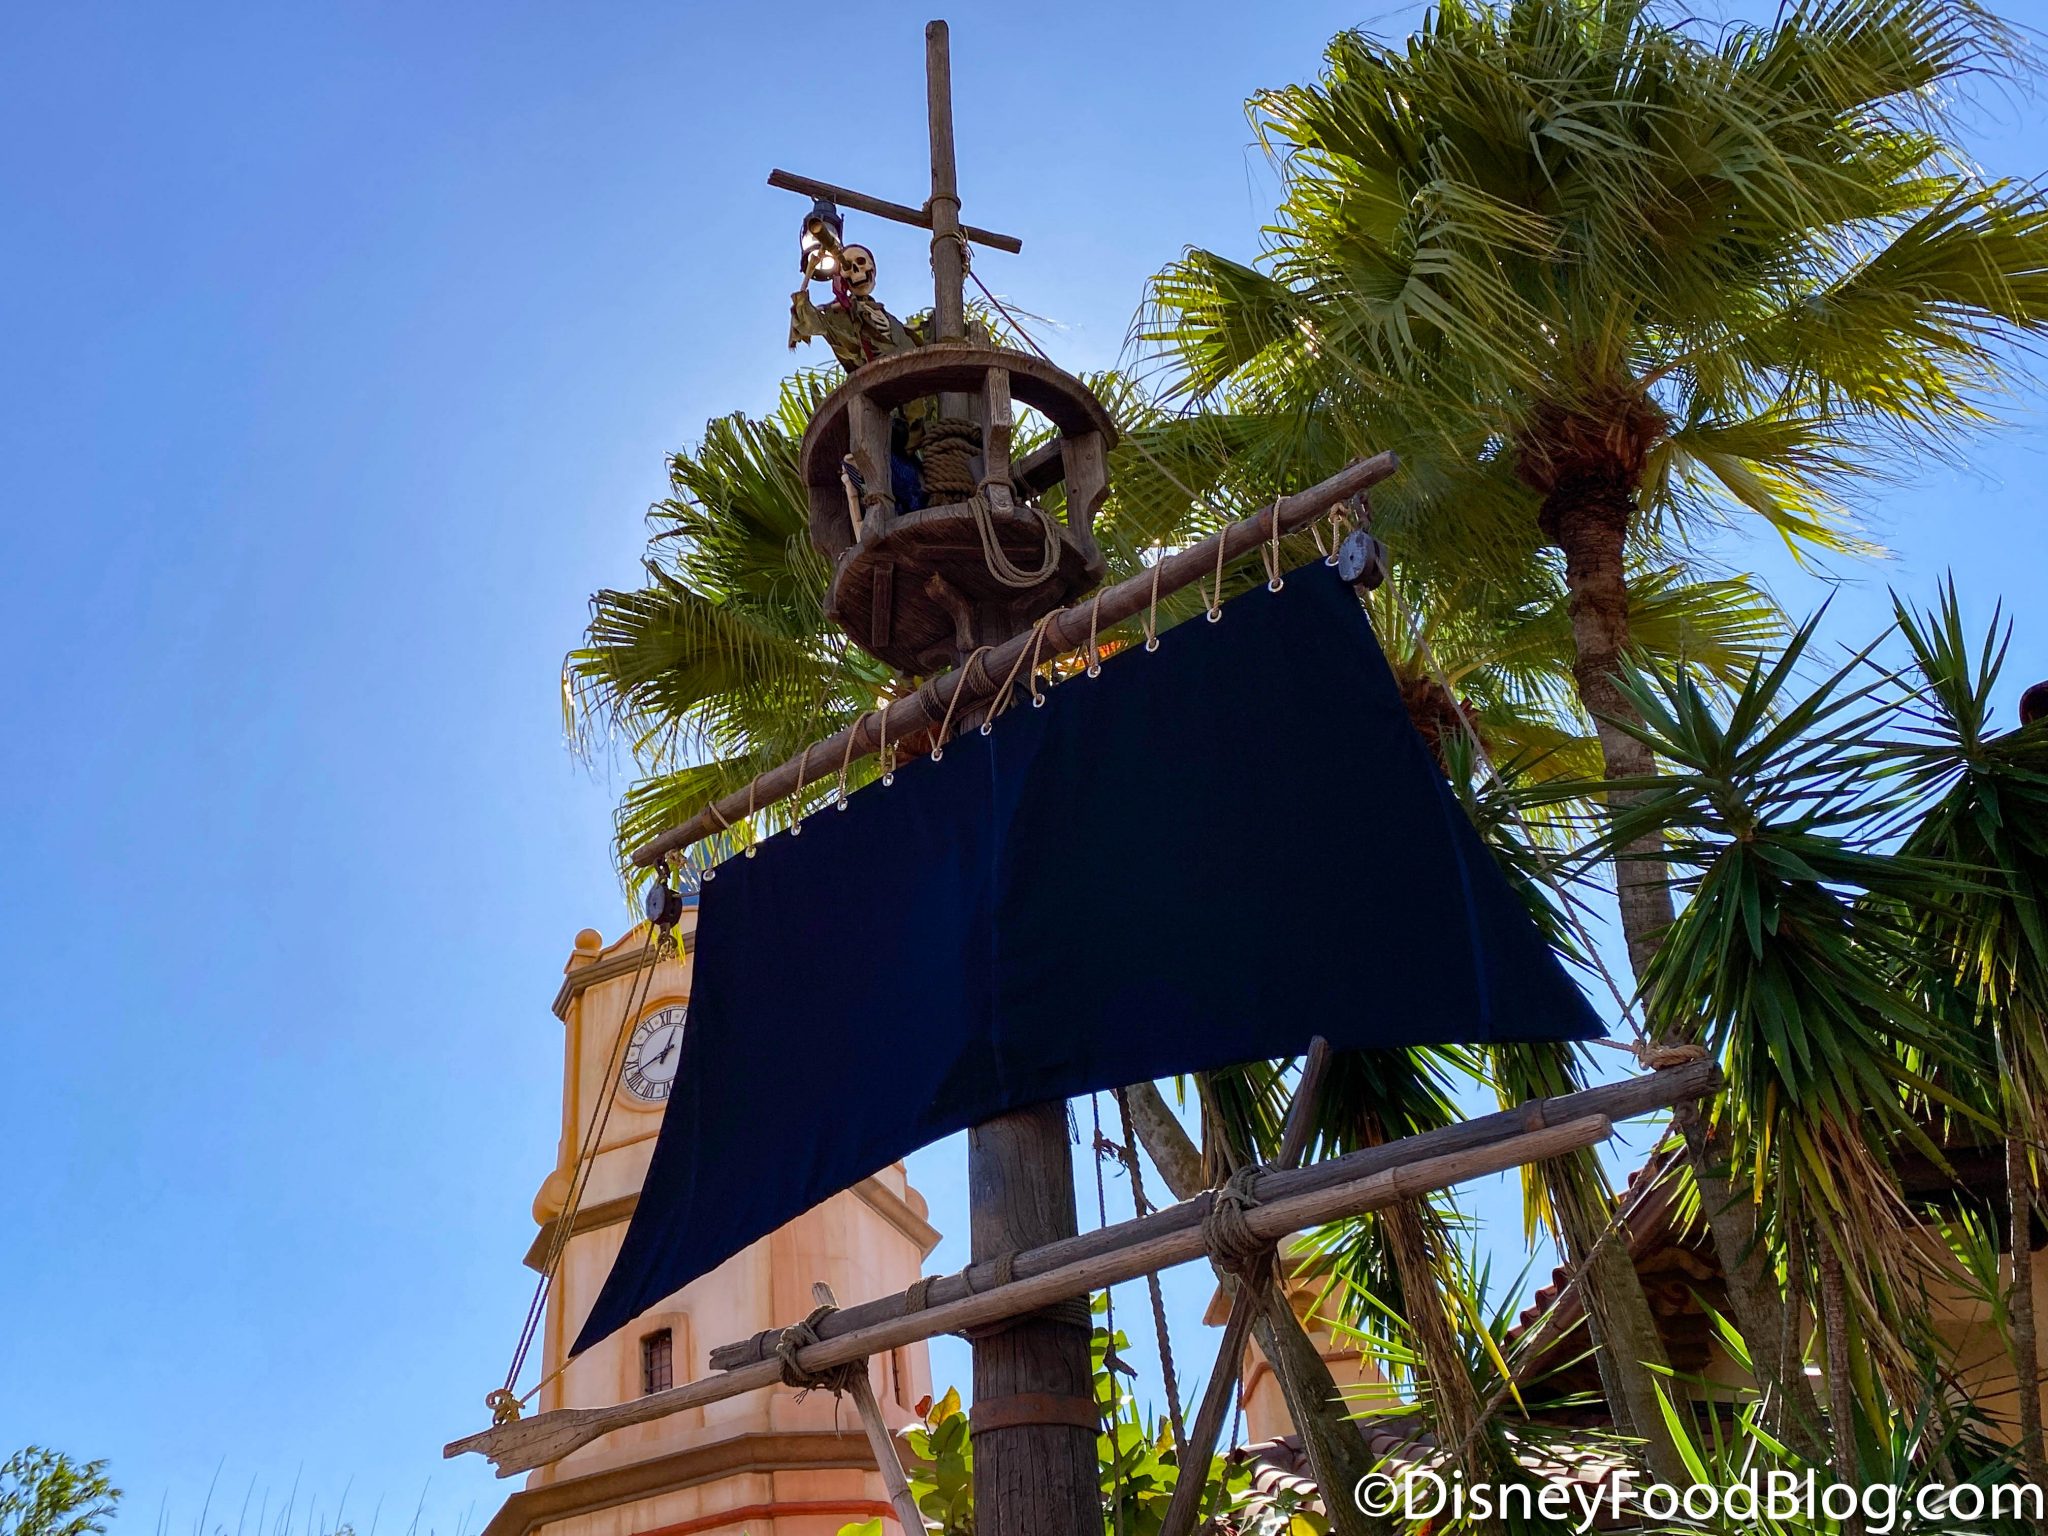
(1274, 580)
(1661, 1058)
(504, 1406)
(1094, 650)
(803, 778)
(846, 759)
(800, 1336)
(1152, 608)
(1216, 598)
(918, 1295)
(972, 662)
(1001, 699)
(1226, 1229)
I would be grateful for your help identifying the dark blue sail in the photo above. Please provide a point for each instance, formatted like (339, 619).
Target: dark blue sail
(1208, 854)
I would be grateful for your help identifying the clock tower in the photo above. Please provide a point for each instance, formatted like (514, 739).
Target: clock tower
(772, 1462)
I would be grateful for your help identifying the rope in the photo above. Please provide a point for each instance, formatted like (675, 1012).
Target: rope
(1000, 701)
(1152, 608)
(600, 1117)
(796, 813)
(1141, 1206)
(846, 758)
(1216, 598)
(950, 445)
(946, 725)
(997, 559)
(1094, 651)
(800, 1336)
(1226, 1229)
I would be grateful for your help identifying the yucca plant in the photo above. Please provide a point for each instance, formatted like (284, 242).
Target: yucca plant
(1774, 813)
(1930, 1448)
(1990, 818)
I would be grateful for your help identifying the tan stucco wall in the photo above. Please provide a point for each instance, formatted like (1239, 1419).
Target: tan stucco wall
(864, 1243)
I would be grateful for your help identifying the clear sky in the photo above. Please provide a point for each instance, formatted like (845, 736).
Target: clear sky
(342, 347)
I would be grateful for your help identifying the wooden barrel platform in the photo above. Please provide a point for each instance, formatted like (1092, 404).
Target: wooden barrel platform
(920, 594)
(915, 587)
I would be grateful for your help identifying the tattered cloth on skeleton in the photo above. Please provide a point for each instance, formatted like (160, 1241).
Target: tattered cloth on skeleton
(1205, 855)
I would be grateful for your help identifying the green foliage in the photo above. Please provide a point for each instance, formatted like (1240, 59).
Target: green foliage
(1929, 1442)
(1742, 268)
(46, 1493)
(1138, 1467)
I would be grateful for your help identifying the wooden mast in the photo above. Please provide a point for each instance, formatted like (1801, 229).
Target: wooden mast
(1035, 1419)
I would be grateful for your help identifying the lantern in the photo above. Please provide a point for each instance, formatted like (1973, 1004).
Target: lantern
(818, 242)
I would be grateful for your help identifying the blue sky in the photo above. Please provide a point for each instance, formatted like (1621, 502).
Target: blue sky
(342, 349)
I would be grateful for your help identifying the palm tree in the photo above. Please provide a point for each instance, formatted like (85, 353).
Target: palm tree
(1608, 282)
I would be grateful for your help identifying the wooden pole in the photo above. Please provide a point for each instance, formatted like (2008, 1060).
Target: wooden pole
(1034, 1392)
(1035, 1417)
(1305, 1198)
(1064, 631)
(1185, 1506)
(880, 1439)
(949, 268)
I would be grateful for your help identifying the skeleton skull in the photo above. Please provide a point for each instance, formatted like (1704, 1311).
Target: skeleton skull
(857, 266)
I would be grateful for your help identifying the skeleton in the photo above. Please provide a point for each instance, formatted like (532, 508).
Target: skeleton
(855, 324)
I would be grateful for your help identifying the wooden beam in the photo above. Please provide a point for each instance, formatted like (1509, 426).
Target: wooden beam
(1137, 1247)
(1185, 1507)
(883, 1443)
(881, 208)
(1065, 630)
(1625, 1100)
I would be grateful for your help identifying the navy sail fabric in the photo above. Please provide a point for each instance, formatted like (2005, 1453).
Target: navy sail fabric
(1209, 854)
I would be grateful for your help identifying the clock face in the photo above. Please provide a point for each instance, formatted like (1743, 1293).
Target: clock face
(652, 1054)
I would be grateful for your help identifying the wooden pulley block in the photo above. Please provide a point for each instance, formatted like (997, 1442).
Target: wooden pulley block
(1362, 560)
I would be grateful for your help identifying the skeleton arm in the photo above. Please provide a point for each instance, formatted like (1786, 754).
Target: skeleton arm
(805, 320)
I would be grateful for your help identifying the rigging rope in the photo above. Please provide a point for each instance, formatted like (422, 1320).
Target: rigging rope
(1141, 1206)
(1112, 1363)
(558, 1242)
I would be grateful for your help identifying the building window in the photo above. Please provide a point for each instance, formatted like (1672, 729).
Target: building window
(658, 1361)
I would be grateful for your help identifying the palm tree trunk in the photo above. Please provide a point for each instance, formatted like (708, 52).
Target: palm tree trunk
(2026, 1359)
(1760, 1309)
(1834, 1308)
(1628, 1346)
(1454, 1404)
(1587, 516)
(1337, 1453)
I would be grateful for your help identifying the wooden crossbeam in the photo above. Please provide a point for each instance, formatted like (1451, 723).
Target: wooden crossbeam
(1065, 630)
(1185, 1507)
(882, 208)
(1362, 1181)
